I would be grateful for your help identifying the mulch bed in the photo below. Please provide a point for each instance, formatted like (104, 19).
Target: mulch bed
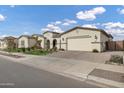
(11, 55)
(115, 76)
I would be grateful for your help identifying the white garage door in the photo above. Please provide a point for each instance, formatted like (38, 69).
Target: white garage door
(79, 44)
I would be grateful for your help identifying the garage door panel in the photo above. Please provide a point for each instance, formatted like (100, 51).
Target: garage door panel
(79, 44)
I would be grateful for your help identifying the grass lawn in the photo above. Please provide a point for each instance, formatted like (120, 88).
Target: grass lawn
(26, 51)
(37, 52)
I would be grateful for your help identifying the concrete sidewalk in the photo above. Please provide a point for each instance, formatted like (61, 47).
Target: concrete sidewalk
(77, 69)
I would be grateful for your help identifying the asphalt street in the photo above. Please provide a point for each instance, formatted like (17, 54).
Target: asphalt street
(16, 75)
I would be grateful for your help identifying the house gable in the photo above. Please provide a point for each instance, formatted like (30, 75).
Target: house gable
(86, 28)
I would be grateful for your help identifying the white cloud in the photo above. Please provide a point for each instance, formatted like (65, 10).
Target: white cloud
(58, 22)
(2, 36)
(2, 18)
(52, 27)
(69, 22)
(55, 26)
(110, 25)
(90, 14)
(114, 28)
(26, 33)
(121, 11)
(66, 24)
(115, 31)
(89, 25)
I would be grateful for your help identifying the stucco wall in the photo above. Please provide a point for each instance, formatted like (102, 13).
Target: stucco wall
(3, 45)
(103, 40)
(26, 43)
(42, 41)
(32, 42)
(82, 32)
(49, 36)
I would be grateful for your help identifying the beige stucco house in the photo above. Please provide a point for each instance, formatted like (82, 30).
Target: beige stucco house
(3, 44)
(26, 41)
(8, 42)
(78, 39)
(35, 40)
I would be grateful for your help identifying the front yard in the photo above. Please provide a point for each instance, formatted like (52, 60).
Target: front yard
(29, 51)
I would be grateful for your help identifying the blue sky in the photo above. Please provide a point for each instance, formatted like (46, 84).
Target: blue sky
(18, 20)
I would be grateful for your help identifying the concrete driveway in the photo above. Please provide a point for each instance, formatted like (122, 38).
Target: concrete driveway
(86, 56)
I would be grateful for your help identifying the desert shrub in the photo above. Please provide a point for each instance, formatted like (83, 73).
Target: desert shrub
(27, 49)
(23, 49)
(95, 51)
(19, 50)
(33, 48)
(116, 59)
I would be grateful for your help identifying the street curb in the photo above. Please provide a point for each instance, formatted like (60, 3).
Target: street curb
(106, 81)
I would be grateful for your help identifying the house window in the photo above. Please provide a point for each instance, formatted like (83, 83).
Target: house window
(22, 43)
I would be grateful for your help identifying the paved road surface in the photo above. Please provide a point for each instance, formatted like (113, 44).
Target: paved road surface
(18, 75)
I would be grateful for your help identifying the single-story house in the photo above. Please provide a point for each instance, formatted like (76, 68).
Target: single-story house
(3, 44)
(78, 39)
(8, 42)
(26, 41)
(35, 40)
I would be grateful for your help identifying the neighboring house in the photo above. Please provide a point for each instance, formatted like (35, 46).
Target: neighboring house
(8, 42)
(78, 39)
(3, 44)
(26, 41)
(40, 40)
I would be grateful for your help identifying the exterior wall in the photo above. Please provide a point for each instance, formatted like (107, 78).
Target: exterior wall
(3, 45)
(82, 32)
(103, 40)
(49, 36)
(26, 43)
(31, 43)
(58, 43)
(42, 41)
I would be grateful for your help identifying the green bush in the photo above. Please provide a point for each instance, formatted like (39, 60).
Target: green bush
(23, 49)
(37, 52)
(116, 59)
(95, 51)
